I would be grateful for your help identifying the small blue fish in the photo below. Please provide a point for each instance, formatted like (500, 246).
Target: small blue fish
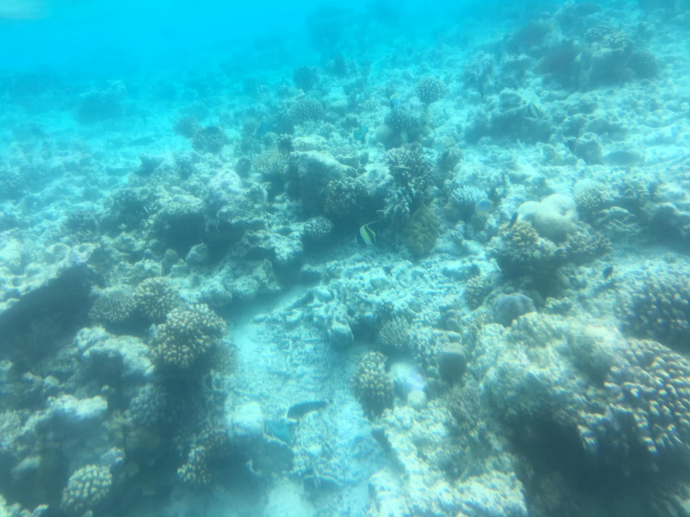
(360, 134)
(394, 101)
(483, 207)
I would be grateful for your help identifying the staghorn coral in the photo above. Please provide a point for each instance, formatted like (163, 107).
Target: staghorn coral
(113, 307)
(155, 299)
(659, 307)
(371, 384)
(188, 334)
(421, 231)
(395, 334)
(430, 89)
(86, 488)
(305, 109)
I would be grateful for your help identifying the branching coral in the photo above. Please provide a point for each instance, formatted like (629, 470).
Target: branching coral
(648, 405)
(113, 307)
(659, 307)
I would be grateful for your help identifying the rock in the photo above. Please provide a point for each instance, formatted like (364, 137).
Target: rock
(198, 255)
(247, 423)
(508, 307)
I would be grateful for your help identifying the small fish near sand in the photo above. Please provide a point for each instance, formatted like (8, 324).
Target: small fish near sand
(367, 236)
(534, 111)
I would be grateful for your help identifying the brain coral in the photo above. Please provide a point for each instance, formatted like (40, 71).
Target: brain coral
(187, 334)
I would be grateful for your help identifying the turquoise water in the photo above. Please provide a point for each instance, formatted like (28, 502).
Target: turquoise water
(383, 259)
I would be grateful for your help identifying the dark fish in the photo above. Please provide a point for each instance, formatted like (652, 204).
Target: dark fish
(299, 410)
(366, 236)
(513, 220)
(534, 111)
(608, 272)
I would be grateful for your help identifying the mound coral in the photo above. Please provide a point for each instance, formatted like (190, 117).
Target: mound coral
(372, 385)
(155, 299)
(188, 334)
(476, 290)
(86, 488)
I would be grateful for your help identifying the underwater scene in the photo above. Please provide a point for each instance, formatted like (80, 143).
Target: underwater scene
(317, 259)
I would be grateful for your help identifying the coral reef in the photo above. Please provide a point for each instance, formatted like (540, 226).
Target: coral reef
(395, 334)
(155, 298)
(421, 231)
(113, 307)
(430, 89)
(187, 335)
(371, 384)
(656, 306)
(86, 488)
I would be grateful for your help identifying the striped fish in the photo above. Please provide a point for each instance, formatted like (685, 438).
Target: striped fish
(366, 236)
